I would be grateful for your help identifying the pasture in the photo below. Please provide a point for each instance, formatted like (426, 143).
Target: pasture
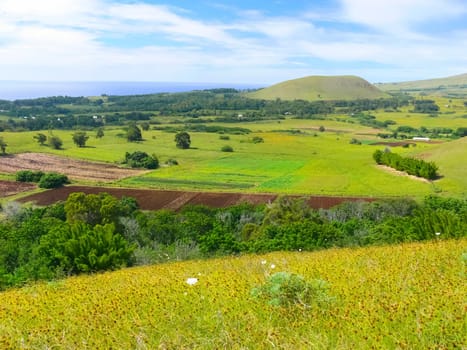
(407, 296)
(295, 158)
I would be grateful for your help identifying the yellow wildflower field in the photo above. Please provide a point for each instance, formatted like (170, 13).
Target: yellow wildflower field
(410, 296)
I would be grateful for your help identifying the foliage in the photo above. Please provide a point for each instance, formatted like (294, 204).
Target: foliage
(55, 142)
(288, 289)
(80, 138)
(227, 148)
(53, 180)
(40, 138)
(140, 159)
(29, 175)
(100, 133)
(3, 145)
(411, 166)
(133, 133)
(182, 140)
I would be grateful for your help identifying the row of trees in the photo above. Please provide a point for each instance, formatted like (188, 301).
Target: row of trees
(91, 233)
(411, 166)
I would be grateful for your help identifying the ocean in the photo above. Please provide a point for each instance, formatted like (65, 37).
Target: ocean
(16, 90)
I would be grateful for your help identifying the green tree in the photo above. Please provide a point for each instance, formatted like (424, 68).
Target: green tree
(40, 138)
(133, 133)
(55, 142)
(3, 145)
(182, 139)
(100, 133)
(80, 138)
(145, 126)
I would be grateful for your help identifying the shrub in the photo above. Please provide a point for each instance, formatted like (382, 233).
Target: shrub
(224, 137)
(140, 159)
(227, 148)
(288, 289)
(55, 142)
(171, 161)
(53, 180)
(29, 176)
(257, 139)
(182, 140)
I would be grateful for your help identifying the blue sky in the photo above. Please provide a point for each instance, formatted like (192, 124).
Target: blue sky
(255, 41)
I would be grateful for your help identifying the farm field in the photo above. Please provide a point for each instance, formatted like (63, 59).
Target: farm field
(406, 296)
(295, 158)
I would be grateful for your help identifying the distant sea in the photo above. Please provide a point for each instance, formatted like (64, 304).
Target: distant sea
(15, 90)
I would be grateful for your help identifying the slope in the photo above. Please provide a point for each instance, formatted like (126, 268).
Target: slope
(315, 88)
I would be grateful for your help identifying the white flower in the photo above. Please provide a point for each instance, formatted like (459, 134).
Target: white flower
(263, 262)
(437, 233)
(273, 266)
(192, 281)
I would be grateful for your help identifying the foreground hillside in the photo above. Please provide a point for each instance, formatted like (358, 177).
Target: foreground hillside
(406, 296)
(316, 88)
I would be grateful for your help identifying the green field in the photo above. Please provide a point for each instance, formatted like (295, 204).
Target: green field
(407, 296)
(309, 162)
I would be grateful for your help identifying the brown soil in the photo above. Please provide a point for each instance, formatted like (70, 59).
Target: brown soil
(158, 199)
(9, 188)
(394, 144)
(74, 169)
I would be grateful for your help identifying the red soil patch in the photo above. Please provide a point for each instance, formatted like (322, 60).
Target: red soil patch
(74, 169)
(9, 188)
(155, 199)
(394, 144)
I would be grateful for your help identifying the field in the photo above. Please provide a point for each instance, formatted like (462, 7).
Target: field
(410, 296)
(174, 200)
(295, 158)
(9, 188)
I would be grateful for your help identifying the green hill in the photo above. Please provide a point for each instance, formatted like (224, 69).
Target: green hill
(315, 88)
(454, 85)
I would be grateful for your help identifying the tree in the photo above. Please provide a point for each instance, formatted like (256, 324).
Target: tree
(133, 133)
(40, 138)
(145, 126)
(80, 138)
(100, 133)
(182, 139)
(55, 142)
(3, 145)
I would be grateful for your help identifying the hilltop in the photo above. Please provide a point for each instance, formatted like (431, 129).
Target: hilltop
(453, 85)
(315, 88)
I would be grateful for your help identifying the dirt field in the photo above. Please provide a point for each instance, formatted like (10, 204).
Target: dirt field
(155, 199)
(9, 188)
(74, 169)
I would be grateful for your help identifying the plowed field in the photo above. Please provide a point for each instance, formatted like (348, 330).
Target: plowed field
(74, 169)
(155, 199)
(9, 188)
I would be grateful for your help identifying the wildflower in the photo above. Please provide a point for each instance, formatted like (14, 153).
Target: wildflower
(192, 281)
(273, 266)
(263, 262)
(437, 233)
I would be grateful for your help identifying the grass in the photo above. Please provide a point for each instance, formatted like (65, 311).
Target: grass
(315, 88)
(309, 162)
(406, 296)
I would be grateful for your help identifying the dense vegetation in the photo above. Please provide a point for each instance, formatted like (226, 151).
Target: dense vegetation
(98, 232)
(44, 180)
(412, 166)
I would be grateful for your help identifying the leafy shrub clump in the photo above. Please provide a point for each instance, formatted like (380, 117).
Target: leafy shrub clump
(53, 180)
(29, 176)
(227, 148)
(140, 159)
(288, 289)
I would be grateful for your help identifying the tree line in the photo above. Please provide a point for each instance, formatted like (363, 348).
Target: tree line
(90, 233)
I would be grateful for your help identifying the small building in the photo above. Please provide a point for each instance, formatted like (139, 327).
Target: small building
(426, 139)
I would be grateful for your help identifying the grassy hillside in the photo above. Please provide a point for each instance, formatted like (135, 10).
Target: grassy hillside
(315, 88)
(456, 85)
(409, 296)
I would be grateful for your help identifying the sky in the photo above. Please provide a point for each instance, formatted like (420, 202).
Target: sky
(254, 41)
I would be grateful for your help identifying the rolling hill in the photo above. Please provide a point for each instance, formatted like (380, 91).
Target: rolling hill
(454, 85)
(315, 88)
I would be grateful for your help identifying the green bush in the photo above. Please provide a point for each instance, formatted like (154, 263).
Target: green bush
(53, 180)
(140, 159)
(288, 289)
(29, 176)
(227, 148)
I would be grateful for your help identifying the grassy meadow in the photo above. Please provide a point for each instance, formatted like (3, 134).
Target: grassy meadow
(294, 158)
(410, 296)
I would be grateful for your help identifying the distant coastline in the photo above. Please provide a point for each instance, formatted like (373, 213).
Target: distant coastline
(16, 90)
